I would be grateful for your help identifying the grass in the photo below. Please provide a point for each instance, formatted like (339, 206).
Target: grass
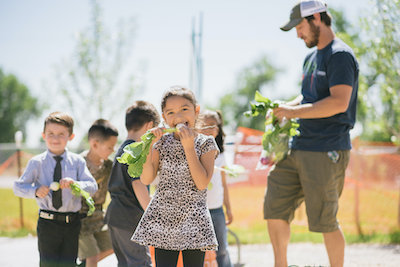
(378, 216)
(10, 215)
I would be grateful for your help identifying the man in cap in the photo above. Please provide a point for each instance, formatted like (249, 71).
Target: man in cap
(314, 170)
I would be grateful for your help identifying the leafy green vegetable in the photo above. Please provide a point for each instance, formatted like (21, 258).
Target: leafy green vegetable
(233, 170)
(135, 154)
(261, 107)
(277, 134)
(78, 191)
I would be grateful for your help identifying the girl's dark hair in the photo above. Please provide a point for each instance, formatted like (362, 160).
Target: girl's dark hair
(178, 90)
(325, 18)
(217, 116)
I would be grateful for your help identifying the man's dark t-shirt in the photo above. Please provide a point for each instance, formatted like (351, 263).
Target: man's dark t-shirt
(333, 65)
(124, 210)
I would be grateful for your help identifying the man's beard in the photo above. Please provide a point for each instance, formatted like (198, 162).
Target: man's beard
(314, 30)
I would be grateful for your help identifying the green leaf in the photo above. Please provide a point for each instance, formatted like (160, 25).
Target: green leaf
(275, 140)
(78, 191)
(135, 154)
(260, 98)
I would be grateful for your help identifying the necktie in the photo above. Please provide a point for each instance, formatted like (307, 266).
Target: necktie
(57, 195)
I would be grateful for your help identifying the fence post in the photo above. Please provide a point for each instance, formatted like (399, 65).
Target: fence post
(18, 142)
(398, 210)
(358, 173)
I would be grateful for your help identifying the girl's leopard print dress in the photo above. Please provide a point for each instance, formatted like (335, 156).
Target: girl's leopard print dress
(177, 217)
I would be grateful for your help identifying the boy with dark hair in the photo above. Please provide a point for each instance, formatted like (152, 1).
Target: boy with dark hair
(129, 197)
(59, 221)
(94, 239)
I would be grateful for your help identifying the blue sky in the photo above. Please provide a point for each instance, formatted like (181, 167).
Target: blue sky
(37, 35)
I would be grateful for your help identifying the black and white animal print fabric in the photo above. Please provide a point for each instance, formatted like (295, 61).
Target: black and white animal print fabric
(177, 217)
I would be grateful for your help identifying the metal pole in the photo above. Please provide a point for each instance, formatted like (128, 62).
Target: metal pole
(18, 141)
(21, 206)
(358, 173)
(200, 61)
(238, 263)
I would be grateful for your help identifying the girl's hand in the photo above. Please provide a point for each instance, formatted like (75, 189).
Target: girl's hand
(66, 182)
(42, 191)
(229, 217)
(158, 133)
(186, 136)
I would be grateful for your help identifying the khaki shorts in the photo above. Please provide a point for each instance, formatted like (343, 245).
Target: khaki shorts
(92, 244)
(313, 177)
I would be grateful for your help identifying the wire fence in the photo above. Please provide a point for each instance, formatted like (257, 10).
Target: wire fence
(372, 183)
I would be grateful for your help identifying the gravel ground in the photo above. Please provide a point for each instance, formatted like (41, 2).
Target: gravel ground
(17, 252)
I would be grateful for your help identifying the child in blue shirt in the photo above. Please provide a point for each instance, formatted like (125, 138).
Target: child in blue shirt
(59, 221)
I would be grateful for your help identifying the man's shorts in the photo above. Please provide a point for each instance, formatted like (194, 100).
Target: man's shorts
(92, 244)
(314, 177)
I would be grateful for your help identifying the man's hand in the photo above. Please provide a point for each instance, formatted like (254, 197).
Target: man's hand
(285, 111)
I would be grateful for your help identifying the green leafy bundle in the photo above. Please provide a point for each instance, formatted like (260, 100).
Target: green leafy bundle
(135, 154)
(277, 134)
(78, 191)
(233, 170)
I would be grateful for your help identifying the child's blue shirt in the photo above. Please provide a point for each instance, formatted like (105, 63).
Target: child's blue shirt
(39, 171)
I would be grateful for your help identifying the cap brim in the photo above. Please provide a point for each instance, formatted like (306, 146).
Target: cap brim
(292, 23)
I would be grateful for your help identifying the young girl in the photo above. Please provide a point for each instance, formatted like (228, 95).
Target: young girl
(210, 123)
(177, 218)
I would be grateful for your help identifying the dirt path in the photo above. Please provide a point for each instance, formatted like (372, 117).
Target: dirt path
(16, 252)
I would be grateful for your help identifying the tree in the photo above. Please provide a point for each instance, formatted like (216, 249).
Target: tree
(250, 79)
(376, 44)
(92, 83)
(382, 31)
(17, 106)
(351, 35)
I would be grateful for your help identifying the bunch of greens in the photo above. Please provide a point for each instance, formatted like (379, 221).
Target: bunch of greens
(276, 137)
(135, 154)
(77, 191)
(233, 170)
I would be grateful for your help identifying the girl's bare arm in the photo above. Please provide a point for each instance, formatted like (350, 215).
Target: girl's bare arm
(227, 202)
(150, 168)
(201, 169)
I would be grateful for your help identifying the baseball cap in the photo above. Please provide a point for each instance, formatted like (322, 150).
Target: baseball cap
(303, 9)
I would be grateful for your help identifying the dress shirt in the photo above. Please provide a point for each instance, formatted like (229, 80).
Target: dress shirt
(39, 171)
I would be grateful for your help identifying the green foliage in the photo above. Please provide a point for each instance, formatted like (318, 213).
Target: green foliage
(351, 36)
(276, 137)
(17, 106)
(78, 191)
(250, 80)
(376, 44)
(383, 41)
(135, 154)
